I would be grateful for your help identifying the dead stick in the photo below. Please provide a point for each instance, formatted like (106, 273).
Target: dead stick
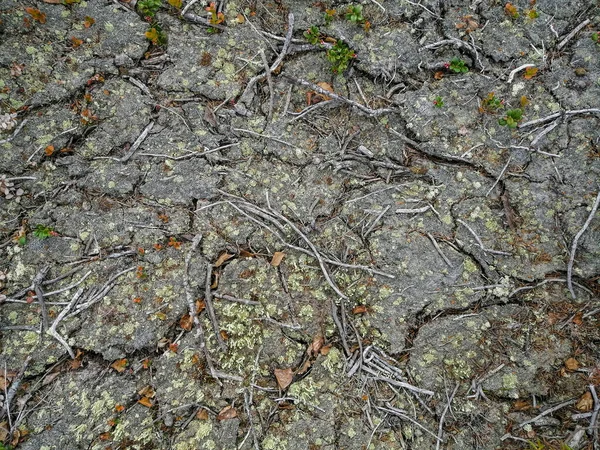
(576, 240)
(209, 306)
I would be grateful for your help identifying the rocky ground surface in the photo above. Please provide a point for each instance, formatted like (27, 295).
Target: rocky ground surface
(209, 239)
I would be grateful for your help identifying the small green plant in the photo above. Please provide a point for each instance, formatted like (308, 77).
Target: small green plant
(149, 8)
(354, 14)
(596, 37)
(313, 35)
(340, 56)
(155, 34)
(43, 232)
(457, 65)
(438, 102)
(512, 118)
(216, 18)
(491, 103)
(329, 13)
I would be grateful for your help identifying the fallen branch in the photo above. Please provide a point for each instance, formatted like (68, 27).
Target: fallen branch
(575, 242)
(370, 112)
(517, 70)
(441, 424)
(209, 306)
(569, 36)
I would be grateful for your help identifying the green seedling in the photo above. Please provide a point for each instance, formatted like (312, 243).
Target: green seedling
(340, 56)
(596, 37)
(438, 102)
(216, 18)
(354, 14)
(457, 65)
(329, 13)
(313, 35)
(491, 103)
(149, 8)
(155, 34)
(512, 118)
(43, 232)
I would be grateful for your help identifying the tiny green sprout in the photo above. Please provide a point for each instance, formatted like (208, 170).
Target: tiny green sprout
(596, 37)
(354, 14)
(491, 103)
(329, 13)
(457, 65)
(43, 232)
(438, 102)
(339, 56)
(512, 118)
(21, 241)
(149, 8)
(312, 35)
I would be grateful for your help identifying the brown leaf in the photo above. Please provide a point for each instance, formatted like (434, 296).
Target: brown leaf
(578, 319)
(326, 349)
(240, 18)
(15, 438)
(247, 254)
(4, 431)
(227, 413)
(210, 117)
(104, 436)
(49, 150)
(147, 391)
(224, 335)
(119, 365)
(200, 306)
(277, 258)
(284, 377)
(215, 283)
(438, 75)
(521, 405)
(49, 378)
(36, 15)
(585, 403)
(360, 309)
(202, 414)
(224, 257)
(119, 408)
(53, 2)
(145, 401)
(572, 364)
(317, 343)
(530, 72)
(186, 322)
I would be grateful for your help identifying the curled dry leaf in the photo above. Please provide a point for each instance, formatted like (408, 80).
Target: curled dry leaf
(145, 401)
(202, 414)
(227, 413)
(119, 365)
(221, 259)
(284, 377)
(585, 402)
(277, 258)
(317, 343)
(572, 364)
(186, 322)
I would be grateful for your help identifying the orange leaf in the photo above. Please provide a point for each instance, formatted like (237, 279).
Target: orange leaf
(119, 365)
(152, 35)
(240, 18)
(175, 3)
(284, 377)
(585, 403)
(317, 343)
(202, 414)
(200, 306)
(511, 10)
(36, 14)
(137, 300)
(438, 75)
(578, 319)
(521, 405)
(222, 258)
(147, 391)
(145, 401)
(224, 335)
(360, 309)
(277, 258)
(104, 436)
(174, 347)
(326, 349)
(49, 150)
(530, 72)
(119, 408)
(88, 21)
(186, 322)
(146, 363)
(572, 364)
(227, 413)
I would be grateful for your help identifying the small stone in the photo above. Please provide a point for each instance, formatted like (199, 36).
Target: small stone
(122, 60)
(580, 72)
(169, 420)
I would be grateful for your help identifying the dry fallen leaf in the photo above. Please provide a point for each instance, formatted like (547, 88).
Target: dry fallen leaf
(284, 377)
(277, 258)
(49, 378)
(360, 309)
(147, 391)
(585, 403)
(186, 322)
(49, 150)
(317, 343)
(326, 349)
(224, 257)
(227, 413)
(4, 431)
(200, 306)
(571, 364)
(521, 405)
(119, 408)
(240, 18)
(145, 401)
(119, 365)
(202, 414)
